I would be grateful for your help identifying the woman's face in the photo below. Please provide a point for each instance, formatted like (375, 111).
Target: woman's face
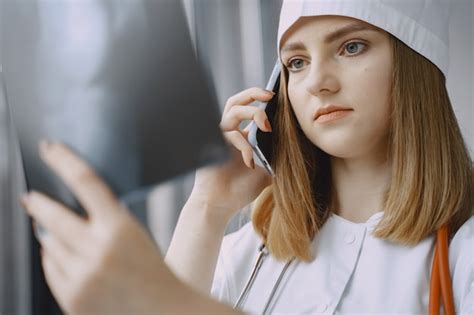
(340, 61)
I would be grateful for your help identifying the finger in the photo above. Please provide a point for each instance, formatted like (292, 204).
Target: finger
(62, 256)
(238, 140)
(58, 282)
(237, 114)
(54, 274)
(57, 219)
(94, 195)
(248, 96)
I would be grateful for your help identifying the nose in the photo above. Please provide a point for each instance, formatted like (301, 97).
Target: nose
(323, 78)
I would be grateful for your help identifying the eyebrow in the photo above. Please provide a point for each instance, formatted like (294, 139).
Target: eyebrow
(350, 28)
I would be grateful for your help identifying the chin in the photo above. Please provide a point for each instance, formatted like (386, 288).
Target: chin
(352, 146)
(338, 148)
(342, 153)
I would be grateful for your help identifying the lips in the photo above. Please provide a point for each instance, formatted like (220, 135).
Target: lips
(329, 109)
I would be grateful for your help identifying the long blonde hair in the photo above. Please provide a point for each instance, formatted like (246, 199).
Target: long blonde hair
(431, 182)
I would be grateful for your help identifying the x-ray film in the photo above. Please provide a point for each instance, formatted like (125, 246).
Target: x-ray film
(117, 81)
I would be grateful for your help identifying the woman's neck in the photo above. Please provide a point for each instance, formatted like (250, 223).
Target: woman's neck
(359, 186)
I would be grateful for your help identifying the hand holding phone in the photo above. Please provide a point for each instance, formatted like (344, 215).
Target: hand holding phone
(231, 186)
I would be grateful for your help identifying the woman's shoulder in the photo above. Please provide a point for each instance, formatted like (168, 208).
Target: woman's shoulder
(463, 240)
(238, 250)
(462, 243)
(461, 263)
(244, 239)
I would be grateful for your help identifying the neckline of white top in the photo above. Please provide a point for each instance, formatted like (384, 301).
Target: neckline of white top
(370, 223)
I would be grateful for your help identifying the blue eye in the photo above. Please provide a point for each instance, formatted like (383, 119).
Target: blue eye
(353, 48)
(295, 64)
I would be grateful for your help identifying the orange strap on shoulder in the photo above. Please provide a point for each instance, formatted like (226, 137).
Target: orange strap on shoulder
(441, 277)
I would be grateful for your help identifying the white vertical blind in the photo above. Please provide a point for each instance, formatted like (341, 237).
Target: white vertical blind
(252, 43)
(460, 79)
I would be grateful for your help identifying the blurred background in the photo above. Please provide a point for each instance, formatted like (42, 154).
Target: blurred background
(236, 42)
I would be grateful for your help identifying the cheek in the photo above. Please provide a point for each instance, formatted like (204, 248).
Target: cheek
(299, 103)
(371, 95)
(295, 100)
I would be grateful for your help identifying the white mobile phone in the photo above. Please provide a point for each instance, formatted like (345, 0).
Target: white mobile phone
(261, 142)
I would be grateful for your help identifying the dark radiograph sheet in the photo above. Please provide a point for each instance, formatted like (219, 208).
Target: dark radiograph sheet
(115, 80)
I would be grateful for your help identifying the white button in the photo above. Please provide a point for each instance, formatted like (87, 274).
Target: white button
(349, 238)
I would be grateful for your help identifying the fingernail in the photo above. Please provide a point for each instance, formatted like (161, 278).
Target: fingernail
(270, 92)
(267, 125)
(39, 230)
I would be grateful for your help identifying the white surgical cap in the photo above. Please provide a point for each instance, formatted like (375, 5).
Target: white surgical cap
(423, 25)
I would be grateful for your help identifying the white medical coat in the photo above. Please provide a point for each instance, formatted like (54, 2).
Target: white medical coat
(353, 272)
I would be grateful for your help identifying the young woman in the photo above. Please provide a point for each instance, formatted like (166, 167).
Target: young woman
(369, 164)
